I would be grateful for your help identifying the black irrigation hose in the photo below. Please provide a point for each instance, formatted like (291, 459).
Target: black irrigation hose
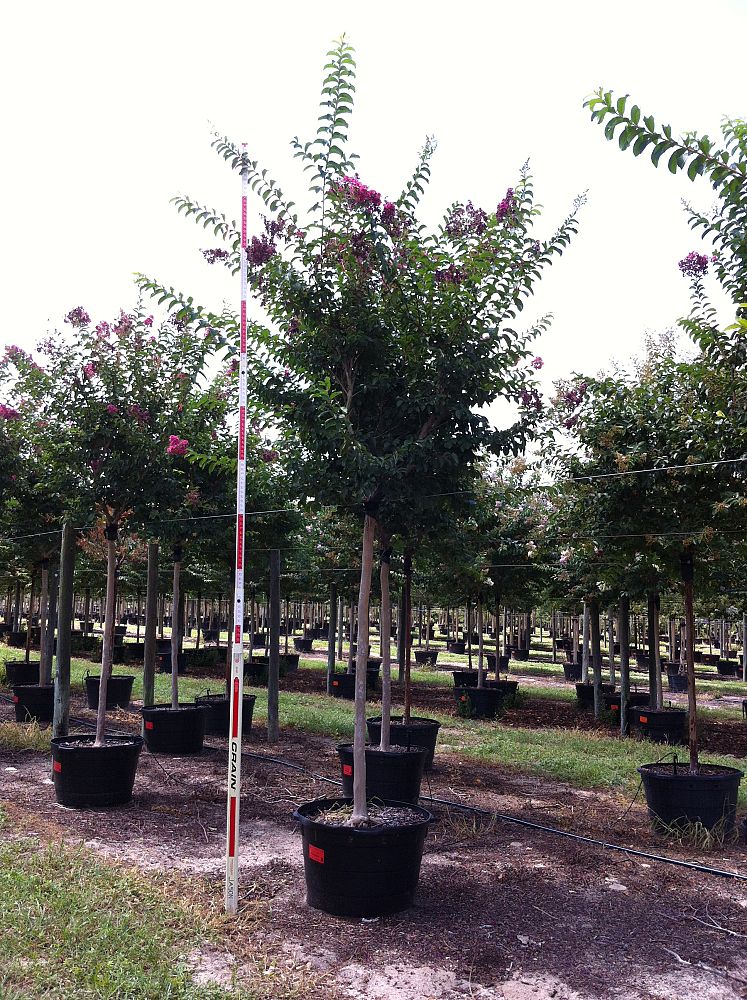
(503, 817)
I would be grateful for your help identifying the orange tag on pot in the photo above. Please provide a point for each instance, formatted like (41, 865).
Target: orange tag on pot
(614, 708)
(57, 766)
(347, 770)
(335, 684)
(148, 725)
(316, 854)
(643, 718)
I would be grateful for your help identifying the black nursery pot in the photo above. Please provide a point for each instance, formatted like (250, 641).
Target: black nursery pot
(572, 671)
(635, 700)
(218, 713)
(676, 798)
(585, 694)
(20, 672)
(361, 872)
(727, 668)
(502, 662)
(516, 653)
(418, 733)
(343, 685)
(480, 703)
(677, 682)
(33, 702)
(389, 774)
(85, 775)
(175, 731)
(456, 646)
(303, 645)
(118, 690)
(464, 678)
(509, 688)
(163, 662)
(665, 725)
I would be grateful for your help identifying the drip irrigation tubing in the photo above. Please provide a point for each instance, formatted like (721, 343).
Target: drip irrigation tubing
(453, 804)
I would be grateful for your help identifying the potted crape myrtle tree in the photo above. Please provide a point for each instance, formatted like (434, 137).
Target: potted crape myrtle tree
(107, 395)
(386, 342)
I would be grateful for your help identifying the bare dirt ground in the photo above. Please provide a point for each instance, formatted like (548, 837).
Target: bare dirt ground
(501, 911)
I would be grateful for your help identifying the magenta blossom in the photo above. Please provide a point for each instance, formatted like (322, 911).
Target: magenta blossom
(538, 363)
(142, 416)
(148, 321)
(506, 207)
(8, 413)
(388, 212)
(96, 465)
(451, 275)
(78, 317)
(103, 330)
(356, 193)
(89, 370)
(112, 409)
(212, 256)
(177, 446)
(695, 265)
(269, 455)
(260, 250)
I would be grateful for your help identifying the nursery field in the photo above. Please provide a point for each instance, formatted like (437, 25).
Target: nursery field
(504, 909)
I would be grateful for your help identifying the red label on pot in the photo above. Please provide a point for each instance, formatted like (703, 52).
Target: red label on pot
(57, 766)
(615, 708)
(347, 770)
(643, 718)
(316, 854)
(334, 685)
(148, 724)
(16, 699)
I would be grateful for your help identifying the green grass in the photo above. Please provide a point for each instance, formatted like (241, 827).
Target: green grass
(76, 928)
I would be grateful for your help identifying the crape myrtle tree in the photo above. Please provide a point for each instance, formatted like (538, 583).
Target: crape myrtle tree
(385, 339)
(656, 505)
(721, 430)
(105, 399)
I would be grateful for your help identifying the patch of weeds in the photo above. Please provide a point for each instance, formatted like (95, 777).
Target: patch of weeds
(17, 736)
(691, 834)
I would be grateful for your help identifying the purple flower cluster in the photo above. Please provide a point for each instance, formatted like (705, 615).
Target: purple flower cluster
(388, 212)
(111, 409)
(78, 317)
(142, 416)
(466, 220)
(89, 370)
(8, 413)
(573, 396)
(124, 324)
(177, 446)
(570, 422)
(538, 363)
(103, 330)
(531, 399)
(451, 275)
(695, 265)
(15, 354)
(269, 455)
(260, 250)
(356, 193)
(506, 207)
(179, 324)
(293, 327)
(212, 256)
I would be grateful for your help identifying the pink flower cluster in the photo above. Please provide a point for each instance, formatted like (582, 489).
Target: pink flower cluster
(213, 256)
(695, 265)
(177, 446)
(78, 317)
(269, 455)
(111, 409)
(538, 363)
(466, 220)
(89, 370)
(388, 212)
(142, 416)
(8, 413)
(506, 207)
(260, 250)
(531, 399)
(359, 195)
(451, 275)
(13, 353)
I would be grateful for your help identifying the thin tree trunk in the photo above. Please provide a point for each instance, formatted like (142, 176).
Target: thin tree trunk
(596, 656)
(687, 584)
(385, 646)
(48, 648)
(360, 812)
(177, 556)
(331, 634)
(110, 533)
(273, 633)
(31, 612)
(585, 647)
(611, 646)
(408, 638)
(61, 717)
(744, 647)
(623, 631)
(43, 613)
(480, 664)
(151, 623)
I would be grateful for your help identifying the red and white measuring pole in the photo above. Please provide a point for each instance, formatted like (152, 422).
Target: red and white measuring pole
(237, 646)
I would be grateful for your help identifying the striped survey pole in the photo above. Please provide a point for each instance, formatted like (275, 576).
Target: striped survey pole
(237, 647)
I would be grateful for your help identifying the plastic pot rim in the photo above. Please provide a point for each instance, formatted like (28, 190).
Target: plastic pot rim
(301, 815)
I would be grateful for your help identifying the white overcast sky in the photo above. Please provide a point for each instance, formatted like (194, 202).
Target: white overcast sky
(107, 112)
